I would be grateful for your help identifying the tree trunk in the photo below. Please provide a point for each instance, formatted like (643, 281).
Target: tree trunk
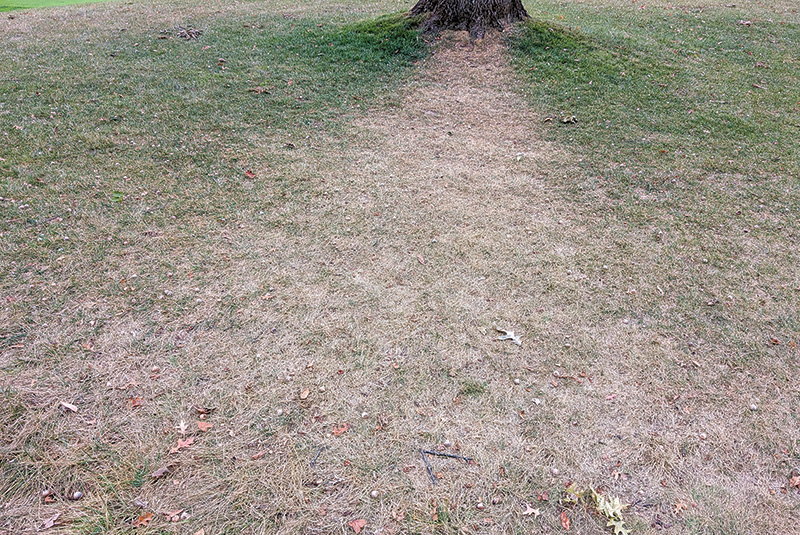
(475, 16)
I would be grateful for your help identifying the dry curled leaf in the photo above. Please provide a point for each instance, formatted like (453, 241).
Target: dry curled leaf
(161, 472)
(143, 520)
(258, 455)
(249, 174)
(50, 522)
(340, 430)
(204, 426)
(304, 394)
(182, 443)
(173, 516)
(564, 520)
(357, 525)
(69, 406)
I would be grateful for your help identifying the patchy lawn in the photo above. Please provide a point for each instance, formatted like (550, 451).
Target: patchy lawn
(256, 257)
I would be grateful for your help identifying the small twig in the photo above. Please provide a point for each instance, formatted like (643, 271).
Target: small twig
(450, 455)
(314, 460)
(428, 467)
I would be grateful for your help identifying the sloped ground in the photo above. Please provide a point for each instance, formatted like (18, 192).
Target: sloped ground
(344, 315)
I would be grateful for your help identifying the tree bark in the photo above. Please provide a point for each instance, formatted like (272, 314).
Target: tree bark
(475, 16)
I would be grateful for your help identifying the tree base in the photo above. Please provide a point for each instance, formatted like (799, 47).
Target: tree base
(474, 16)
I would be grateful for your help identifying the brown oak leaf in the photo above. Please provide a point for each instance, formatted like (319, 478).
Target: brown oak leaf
(143, 520)
(357, 525)
(340, 430)
(564, 520)
(182, 443)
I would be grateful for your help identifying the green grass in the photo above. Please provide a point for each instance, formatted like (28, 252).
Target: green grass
(120, 110)
(10, 5)
(664, 91)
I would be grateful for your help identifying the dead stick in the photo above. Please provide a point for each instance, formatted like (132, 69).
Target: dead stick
(314, 460)
(428, 466)
(450, 455)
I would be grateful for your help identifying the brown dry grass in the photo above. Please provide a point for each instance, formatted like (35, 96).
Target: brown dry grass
(376, 285)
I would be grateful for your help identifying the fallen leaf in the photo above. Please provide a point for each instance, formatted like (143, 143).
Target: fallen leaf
(161, 472)
(543, 496)
(50, 522)
(304, 394)
(564, 520)
(200, 532)
(420, 259)
(258, 455)
(203, 410)
(182, 427)
(680, 506)
(173, 516)
(249, 174)
(508, 335)
(204, 426)
(774, 341)
(340, 430)
(794, 481)
(531, 511)
(182, 443)
(357, 525)
(135, 402)
(143, 520)
(69, 406)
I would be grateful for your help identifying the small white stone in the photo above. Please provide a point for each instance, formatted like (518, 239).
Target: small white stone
(480, 506)
(374, 494)
(516, 381)
(537, 401)
(554, 471)
(447, 443)
(753, 407)
(703, 436)
(322, 389)
(279, 412)
(77, 495)
(365, 415)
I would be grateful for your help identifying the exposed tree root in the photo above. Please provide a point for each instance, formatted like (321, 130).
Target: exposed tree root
(474, 16)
